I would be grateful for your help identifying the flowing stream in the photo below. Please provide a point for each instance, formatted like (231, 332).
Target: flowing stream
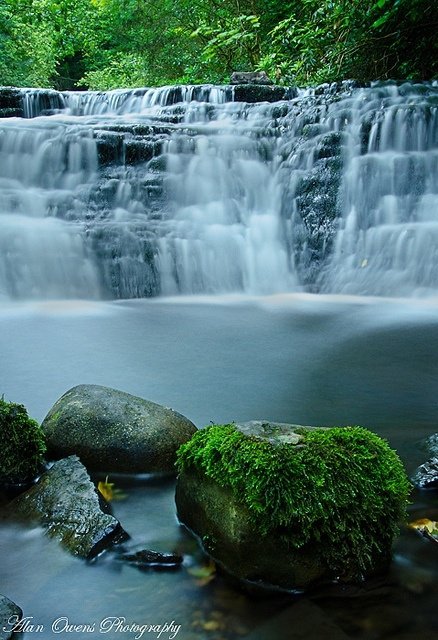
(234, 260)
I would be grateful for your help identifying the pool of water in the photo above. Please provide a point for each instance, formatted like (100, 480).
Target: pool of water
(299, 358)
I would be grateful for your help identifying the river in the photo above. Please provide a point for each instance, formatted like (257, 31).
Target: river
(300, 358)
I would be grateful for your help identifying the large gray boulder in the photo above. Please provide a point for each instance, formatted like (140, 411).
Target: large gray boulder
(65, 502)
(10, 615)
(286, 507)
(113, 431)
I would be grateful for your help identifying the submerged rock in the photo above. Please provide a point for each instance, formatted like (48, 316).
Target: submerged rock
(286, 507)
(426, 476)
(65, 502)
(111, 430)
(10, 615)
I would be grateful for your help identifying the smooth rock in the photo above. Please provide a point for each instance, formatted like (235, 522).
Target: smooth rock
(65, 502)
(10, 614)
(114, 431)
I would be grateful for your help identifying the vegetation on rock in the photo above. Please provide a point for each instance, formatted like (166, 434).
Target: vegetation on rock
(342, 490)
(23, 444)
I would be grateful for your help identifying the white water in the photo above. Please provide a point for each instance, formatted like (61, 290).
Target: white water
(216, 204)
(388, 238)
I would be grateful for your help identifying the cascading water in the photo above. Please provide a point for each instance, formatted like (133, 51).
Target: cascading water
(133, 193)
(387, 243)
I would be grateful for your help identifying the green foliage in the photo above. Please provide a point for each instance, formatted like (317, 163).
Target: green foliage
(23, 444)
(107, 43)
(342, 489)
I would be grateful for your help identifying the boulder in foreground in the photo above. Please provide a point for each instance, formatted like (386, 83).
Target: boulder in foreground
(114, 431)
(65, 502)
(285, 506)
(10, 614)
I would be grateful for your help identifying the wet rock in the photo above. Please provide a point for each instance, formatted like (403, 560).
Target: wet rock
(250, 77)
(268, 513)
(147, 559)
(111, 430)
(313, 204)
(11, 104)
(260, 93)
(426, 476)
(65, 502)
(10, 614)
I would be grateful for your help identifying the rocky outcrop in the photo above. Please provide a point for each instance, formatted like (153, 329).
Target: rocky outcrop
(65, 502)
(10, 615)
(281, 506)
(11, 105)
(262, 93)
(111, 430)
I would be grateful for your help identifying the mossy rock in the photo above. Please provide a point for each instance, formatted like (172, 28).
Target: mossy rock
(23, 445)
(287, 506)
(114, 431)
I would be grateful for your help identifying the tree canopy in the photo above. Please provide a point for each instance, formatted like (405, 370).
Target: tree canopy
(102, 44)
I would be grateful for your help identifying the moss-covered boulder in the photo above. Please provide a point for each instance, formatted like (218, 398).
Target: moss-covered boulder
(22, 445)
(288, 506)
(113, 431)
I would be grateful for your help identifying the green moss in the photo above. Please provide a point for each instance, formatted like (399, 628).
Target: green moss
(342, 489)
(23, 444)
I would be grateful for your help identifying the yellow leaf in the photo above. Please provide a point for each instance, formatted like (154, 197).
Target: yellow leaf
(425, 525)
(108, 491)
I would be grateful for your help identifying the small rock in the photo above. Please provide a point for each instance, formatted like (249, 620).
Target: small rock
(147, 559)
(10, 614)
(114, 431)
(426, 476)
(65, 502)
(250, 77)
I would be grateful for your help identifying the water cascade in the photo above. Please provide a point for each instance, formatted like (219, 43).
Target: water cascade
(204, 189)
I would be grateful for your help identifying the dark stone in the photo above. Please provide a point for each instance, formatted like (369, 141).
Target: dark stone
(11, 103)
(10, 615)
(314, 205)
(250, 77)
(11, 112)
(426, 476)
(65, 502)
(259, 93)
(226, 533)
(147, 559)
(111, 430)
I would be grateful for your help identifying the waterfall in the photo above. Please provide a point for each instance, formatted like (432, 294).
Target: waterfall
(387, 243)
(204, 189)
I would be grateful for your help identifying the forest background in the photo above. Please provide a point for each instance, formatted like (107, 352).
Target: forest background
(103, 44)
